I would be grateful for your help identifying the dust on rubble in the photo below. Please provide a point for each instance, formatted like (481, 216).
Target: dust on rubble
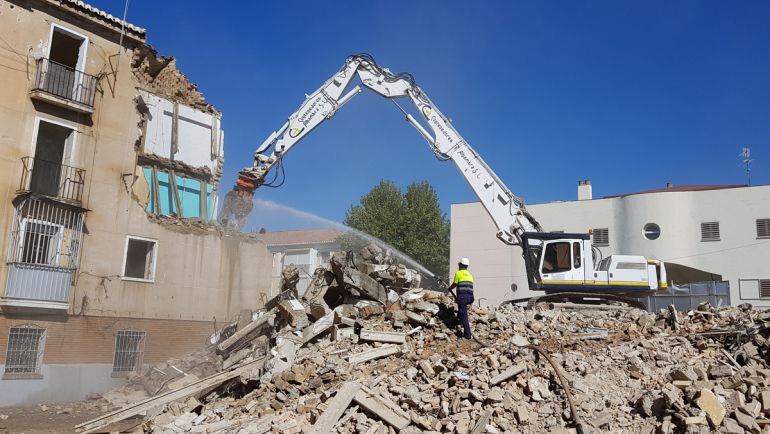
(365, 349)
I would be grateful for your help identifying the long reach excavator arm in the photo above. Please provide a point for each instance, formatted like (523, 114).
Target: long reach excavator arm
(506, 209)
(560, 264)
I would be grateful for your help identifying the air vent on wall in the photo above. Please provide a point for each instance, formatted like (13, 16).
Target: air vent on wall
(601, 237)
(709, 231)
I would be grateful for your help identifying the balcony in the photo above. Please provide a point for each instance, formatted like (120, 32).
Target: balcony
(43, 253)
(64, 86)
(51, 179)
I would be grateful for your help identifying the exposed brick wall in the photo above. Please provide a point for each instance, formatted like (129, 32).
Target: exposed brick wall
(90, 339)
(159, 74)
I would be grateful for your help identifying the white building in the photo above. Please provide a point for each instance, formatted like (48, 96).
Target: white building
(307, 249)
(719, 229)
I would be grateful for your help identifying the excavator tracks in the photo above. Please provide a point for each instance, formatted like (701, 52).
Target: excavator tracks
(585, 298)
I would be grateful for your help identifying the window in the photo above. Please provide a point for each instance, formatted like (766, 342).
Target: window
(651, 231)
(67, 48)
(576, 254)
(129, 351)
(764, 288)
(41, 242)
(66, 61)
(601, 237)
(557, 258)
(25, 350)
(763, 228)
(45, 233)
(53, 148)
(709, 231)
(185, 194)
(139, 260)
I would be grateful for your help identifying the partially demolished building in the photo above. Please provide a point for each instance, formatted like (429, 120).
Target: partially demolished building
(109, 170)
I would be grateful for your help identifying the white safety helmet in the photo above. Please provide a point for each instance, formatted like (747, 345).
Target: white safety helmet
(465, 261)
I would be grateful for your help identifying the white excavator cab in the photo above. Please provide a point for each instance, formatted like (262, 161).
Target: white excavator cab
(559, 262)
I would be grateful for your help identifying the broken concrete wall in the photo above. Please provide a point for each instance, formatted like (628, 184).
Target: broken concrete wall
(180, 144)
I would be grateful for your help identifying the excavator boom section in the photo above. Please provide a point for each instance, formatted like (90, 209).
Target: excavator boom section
(506, 209)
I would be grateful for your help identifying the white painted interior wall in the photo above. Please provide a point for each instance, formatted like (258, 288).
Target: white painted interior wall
(194, 132)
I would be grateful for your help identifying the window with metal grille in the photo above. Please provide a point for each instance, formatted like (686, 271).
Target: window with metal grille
(763, 228)
(25, 350)
(129, 350)
(601, 237)
(764, 288)
(709, 231)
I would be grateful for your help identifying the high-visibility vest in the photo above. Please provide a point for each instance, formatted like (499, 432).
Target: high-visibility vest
(464, 280)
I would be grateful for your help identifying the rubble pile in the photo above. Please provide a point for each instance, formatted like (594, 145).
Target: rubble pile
(366, 350)
(175, 373)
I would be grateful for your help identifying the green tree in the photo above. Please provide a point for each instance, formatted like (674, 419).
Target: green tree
(412, 222)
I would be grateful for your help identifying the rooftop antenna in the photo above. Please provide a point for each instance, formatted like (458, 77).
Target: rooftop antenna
(746, 155)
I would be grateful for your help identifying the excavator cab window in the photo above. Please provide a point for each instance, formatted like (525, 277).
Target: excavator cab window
(557, 258)
(576, 255)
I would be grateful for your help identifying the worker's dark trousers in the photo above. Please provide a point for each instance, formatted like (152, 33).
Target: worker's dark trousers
(464, 299)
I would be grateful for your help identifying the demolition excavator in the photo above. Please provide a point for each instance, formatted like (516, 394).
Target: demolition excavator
(565, 266)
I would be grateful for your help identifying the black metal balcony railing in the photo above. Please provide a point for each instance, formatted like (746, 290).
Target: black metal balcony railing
(65, 82)
(52, 179)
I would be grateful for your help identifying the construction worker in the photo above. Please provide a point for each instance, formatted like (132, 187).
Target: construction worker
(464, 283)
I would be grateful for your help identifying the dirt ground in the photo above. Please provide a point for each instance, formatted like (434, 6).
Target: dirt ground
(46, 419)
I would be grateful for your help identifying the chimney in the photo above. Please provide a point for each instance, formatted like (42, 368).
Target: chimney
(669, 185)
(584, 190)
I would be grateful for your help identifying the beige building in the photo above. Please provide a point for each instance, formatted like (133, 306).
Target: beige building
(723, 231)
(110, 163)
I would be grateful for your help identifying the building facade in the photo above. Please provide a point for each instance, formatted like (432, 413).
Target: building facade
(306, 249)
(110, 161)
(723, 231)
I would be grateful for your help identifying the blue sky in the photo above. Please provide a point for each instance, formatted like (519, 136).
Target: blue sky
(628, 94)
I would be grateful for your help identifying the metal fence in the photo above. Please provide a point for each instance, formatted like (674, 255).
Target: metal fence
(688, 297)
(65, 82)
(129, 350)
(52, 179)
(25, 349)
(43, 249)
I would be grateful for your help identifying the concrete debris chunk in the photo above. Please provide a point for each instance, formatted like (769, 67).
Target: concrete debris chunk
(335, 408)
(508, 374)
(294, 312)
(375, 353)
(382, 336)
(709, 403)
(244, 336)
(383, 408)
